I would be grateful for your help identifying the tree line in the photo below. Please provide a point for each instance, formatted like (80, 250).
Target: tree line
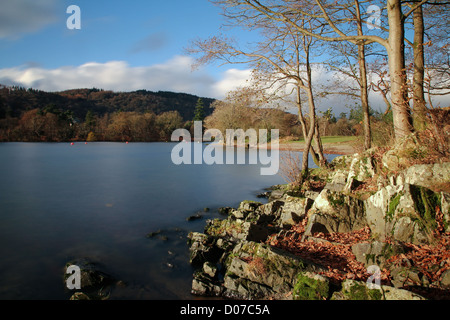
(237, 111)
(39, 125)
(402, 54)
(94, 114)
(54, 124)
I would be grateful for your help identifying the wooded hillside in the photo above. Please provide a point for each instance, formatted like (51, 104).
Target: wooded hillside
(15, 100)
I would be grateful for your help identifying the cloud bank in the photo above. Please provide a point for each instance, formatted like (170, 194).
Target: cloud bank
(23, 16)
(174, 75)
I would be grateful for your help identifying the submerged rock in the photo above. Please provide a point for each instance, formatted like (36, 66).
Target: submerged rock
(194, 217)
(94, 282)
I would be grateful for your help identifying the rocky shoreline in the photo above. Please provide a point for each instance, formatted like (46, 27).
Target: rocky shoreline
(371, 227)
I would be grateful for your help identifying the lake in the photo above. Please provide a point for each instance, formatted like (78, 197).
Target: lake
(99, 201)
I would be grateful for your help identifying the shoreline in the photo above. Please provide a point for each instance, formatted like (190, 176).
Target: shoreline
(329, 148)
(326, 244)
(341, 149)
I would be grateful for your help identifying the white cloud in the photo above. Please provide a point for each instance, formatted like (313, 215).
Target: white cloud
(173, 75)
(23, 16)
(232, 78)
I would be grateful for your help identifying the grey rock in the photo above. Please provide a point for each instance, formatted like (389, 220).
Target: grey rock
(357, 290)
(276, 194)
(249, 205)
(202, 248)
(376, 208)
(293, 210)
(209, 269)
(336, 212)
(203, 285)
(428, 175)
(264, 266)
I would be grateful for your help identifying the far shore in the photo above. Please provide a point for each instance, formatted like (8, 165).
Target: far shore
(340, 148)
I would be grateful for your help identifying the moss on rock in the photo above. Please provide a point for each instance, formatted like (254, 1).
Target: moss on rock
(356, 290)
(311, 286)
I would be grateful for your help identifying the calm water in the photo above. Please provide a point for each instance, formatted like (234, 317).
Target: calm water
(60, 202)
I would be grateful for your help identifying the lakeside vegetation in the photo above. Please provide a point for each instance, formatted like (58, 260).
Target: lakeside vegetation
(93, 114)
(30, 115)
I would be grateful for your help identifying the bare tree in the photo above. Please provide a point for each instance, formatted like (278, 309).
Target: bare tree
(278, 58)
(329, 14)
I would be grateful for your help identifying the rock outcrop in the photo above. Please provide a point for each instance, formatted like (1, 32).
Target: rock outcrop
(236, 258)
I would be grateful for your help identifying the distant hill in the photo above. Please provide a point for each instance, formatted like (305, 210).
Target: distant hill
(15, 100)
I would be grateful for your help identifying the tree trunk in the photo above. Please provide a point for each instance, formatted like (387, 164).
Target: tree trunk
(318, 141)
(312, 117)
(303, 126)
(364, 97)
(363, 83)
(399, 94)
(419, 105)
(309, 138)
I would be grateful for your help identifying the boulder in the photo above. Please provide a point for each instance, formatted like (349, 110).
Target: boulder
(337, 180)
(293, 210)
(204, 285)
(271, 270)
(361, 168)
(407, 275)
(248, 205)
(414, 214)
(391, 293)
(358, 290)
(271, 209)
(404, 212)
(95, 283)
(235, 230)
(376, 208)
(335, 212)
(196, 216)
(202, 248)
(375, 252)
(276, 194)
(432, 176)
(243, 289)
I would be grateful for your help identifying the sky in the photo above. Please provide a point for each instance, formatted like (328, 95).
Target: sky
(121, 46)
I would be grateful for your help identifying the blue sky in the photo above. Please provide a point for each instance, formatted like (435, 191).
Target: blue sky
(112, 30)
(122, 46)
